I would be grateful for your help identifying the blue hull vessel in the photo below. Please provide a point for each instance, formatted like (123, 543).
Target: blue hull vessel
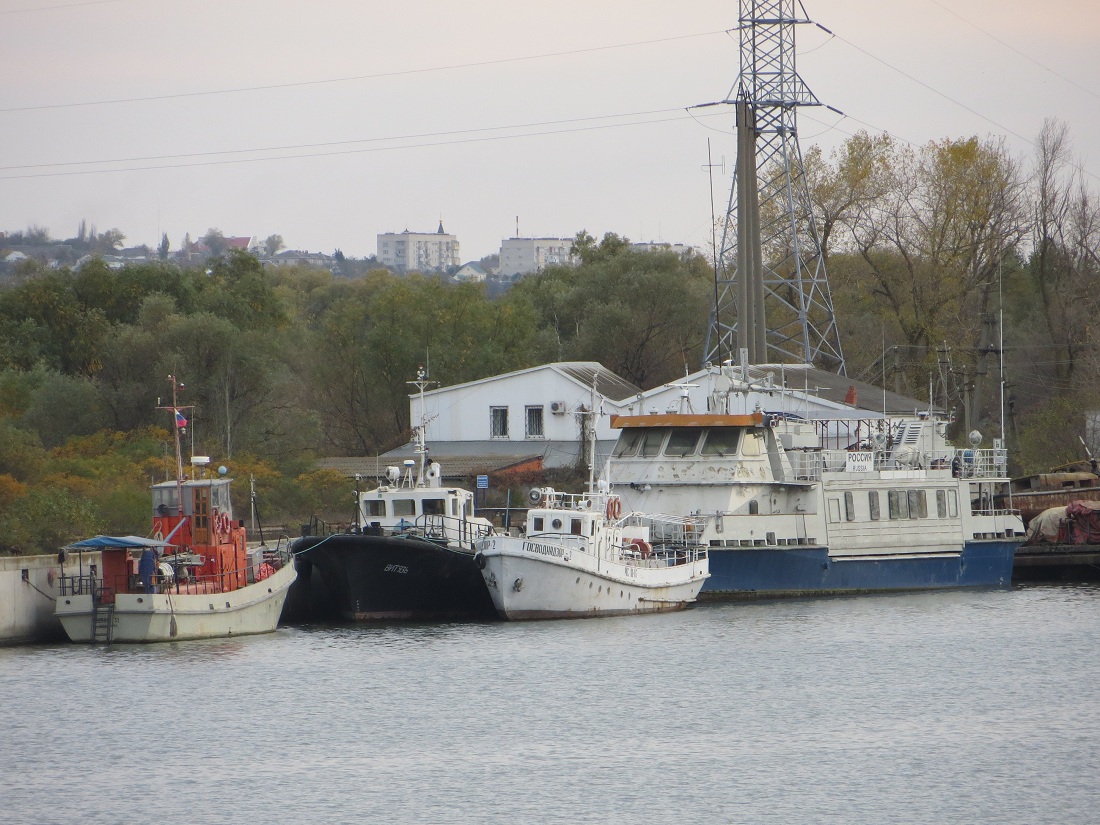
(808, 499)
(764, 572)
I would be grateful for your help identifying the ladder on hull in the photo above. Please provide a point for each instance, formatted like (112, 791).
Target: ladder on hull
(103, 618)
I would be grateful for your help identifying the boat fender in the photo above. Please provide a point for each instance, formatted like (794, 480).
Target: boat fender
(479, 560)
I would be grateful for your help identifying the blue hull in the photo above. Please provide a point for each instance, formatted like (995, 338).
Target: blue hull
(742, 572)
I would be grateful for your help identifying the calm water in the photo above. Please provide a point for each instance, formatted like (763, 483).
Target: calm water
(934, 708)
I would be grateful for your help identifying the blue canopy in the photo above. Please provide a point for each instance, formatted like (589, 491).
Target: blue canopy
(120, 542)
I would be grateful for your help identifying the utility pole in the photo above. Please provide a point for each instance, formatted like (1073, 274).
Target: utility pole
(770, 257)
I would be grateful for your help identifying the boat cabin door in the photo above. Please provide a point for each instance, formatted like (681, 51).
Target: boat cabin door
(200, 518)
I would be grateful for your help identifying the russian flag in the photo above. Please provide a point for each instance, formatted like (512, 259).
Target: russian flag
(180, 420)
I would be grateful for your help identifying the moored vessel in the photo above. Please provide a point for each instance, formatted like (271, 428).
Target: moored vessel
(194, 578)
(801, 505)
(410, 554)
(581, 558)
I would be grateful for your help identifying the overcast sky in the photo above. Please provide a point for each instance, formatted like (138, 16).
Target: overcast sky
(330, 121)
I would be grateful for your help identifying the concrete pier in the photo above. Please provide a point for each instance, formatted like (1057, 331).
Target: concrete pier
(29, 588)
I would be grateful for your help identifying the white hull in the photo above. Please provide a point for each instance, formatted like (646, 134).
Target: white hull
(173, 617)
(525, 584)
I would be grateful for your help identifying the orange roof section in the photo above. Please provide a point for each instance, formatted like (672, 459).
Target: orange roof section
(687, 420)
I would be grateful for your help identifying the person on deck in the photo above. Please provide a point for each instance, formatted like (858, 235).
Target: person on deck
(147, 567)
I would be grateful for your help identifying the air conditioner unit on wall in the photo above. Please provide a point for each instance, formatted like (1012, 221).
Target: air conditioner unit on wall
(558, 408)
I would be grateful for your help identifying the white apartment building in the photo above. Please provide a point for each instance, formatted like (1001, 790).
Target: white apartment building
(418, 251)
(518, 256)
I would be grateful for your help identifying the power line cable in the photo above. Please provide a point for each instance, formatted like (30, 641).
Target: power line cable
(353, 78)
(1013, 49)
(360, 150)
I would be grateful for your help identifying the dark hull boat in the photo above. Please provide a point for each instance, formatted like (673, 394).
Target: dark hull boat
(411, 555)
(373, 577)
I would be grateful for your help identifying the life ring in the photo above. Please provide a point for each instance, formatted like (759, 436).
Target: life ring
(614, 508)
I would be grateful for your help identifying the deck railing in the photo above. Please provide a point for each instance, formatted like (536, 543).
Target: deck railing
(809, 465)
(103, 589)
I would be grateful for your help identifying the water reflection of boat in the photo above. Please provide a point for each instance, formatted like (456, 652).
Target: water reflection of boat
(194, 579)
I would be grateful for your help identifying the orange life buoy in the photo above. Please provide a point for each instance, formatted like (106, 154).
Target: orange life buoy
(614, 508)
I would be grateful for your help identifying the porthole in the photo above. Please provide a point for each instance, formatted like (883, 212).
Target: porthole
(556, 524)
(578, 579)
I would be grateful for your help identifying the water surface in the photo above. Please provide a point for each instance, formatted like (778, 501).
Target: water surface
(942, 707)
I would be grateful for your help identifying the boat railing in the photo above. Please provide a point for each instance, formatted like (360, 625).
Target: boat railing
(661, 555)
(809, 465)
(668, 529)
(182, 580)
(464, 531)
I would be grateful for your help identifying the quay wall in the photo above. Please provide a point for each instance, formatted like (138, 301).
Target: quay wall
(29, 587)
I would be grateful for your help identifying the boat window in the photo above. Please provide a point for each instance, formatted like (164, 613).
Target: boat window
(165, 501)
(721, 441)
(433, 506)
(834, 509)
(628, 443)
(374, 508)
(753, 444)
(849, 506)
(536, 524)
(941, 503)
(651, 441)
(681, 443)
(556, 523)
(899, 504)
(575, 527)
(872, 504)
(952, 504)
(918, 504)
(404, 507)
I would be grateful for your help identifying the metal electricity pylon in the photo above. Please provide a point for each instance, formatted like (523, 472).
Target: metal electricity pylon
(772, 295)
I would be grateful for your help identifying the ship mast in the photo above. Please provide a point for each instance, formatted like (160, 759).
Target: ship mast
(179, 426)
(420, 447)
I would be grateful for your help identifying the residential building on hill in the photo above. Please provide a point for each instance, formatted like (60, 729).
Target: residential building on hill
(520, 256)
(418, 251)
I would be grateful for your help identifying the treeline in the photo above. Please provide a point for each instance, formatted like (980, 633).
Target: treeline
(284, 365)
(936, 255)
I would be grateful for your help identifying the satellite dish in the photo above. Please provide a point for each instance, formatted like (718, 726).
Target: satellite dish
(975, 438)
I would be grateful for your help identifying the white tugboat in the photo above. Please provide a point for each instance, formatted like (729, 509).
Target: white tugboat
(582, 557)
(579, 559)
